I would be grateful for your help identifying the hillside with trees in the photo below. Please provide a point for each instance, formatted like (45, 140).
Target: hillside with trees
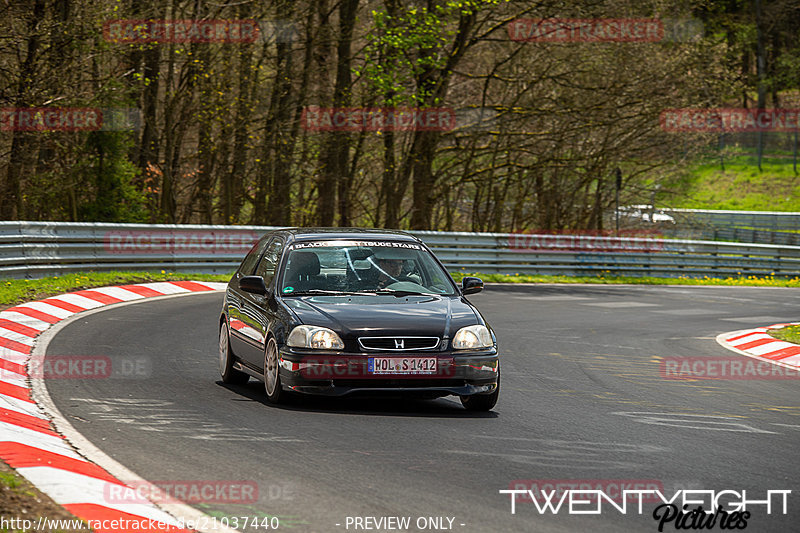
(507, 132)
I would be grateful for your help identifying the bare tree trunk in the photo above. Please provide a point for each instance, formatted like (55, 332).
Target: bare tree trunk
(326, 184)
(386, 198)
(168, 203)
(148, 154)
(434, 85)
(302, 94)
(423, 152)
(393, 187)
(206, 147)
(279, 211)
(233, 181)
(11, 205)
(205, 180)
(341, 98)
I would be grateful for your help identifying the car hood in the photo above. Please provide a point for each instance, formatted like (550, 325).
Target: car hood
(376, 316)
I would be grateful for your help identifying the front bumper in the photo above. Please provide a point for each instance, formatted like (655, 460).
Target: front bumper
(337, 374)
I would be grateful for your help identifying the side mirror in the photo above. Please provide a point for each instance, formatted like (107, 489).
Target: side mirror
(253, 284)
(471, 285)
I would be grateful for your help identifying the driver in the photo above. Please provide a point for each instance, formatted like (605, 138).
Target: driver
(389, 265)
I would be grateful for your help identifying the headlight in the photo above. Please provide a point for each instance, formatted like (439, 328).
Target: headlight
(472, 337)
(314, 337)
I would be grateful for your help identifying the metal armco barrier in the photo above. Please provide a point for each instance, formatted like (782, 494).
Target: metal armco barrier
(765, 227)
(38, 249)
(749, 235)
(719, 218)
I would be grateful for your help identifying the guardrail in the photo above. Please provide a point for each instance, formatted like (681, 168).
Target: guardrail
(718, 218)
(37, 249)
(762, 236)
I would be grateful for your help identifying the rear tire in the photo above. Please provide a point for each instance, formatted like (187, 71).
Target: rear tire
(482, 402)
(229, 374)
(272, 374)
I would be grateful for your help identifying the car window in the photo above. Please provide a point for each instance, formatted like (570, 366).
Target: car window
(249, 262)
(266, 267)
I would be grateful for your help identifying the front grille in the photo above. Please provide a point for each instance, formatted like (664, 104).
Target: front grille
(398, 344)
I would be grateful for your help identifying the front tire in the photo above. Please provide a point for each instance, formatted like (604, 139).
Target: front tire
(272, 375)
(482, 402)
(226, 371)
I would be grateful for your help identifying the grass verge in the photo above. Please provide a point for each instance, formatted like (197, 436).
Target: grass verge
(743, 281)
(14, 291)
(741, 186)
(788, 334)
(22, 504)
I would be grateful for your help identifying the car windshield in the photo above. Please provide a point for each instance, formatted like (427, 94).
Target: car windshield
(376, 267)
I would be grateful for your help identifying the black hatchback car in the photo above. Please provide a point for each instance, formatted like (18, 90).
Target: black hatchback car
(355, 311)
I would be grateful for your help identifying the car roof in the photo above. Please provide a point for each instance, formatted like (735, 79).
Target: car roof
(315, 234)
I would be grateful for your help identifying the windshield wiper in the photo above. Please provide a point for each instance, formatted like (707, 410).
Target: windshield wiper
(400, 293)
(366, 292)
(323, 292)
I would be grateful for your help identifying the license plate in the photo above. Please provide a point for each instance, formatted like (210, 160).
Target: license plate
(402, 365)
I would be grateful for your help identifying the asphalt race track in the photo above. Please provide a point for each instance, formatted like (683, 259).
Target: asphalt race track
(582, 398)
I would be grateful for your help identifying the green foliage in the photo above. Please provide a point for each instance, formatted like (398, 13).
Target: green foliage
(408, 44)
(115, 198)
(740, 186)
(788, 334)
(10, 480)
(564, 115)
